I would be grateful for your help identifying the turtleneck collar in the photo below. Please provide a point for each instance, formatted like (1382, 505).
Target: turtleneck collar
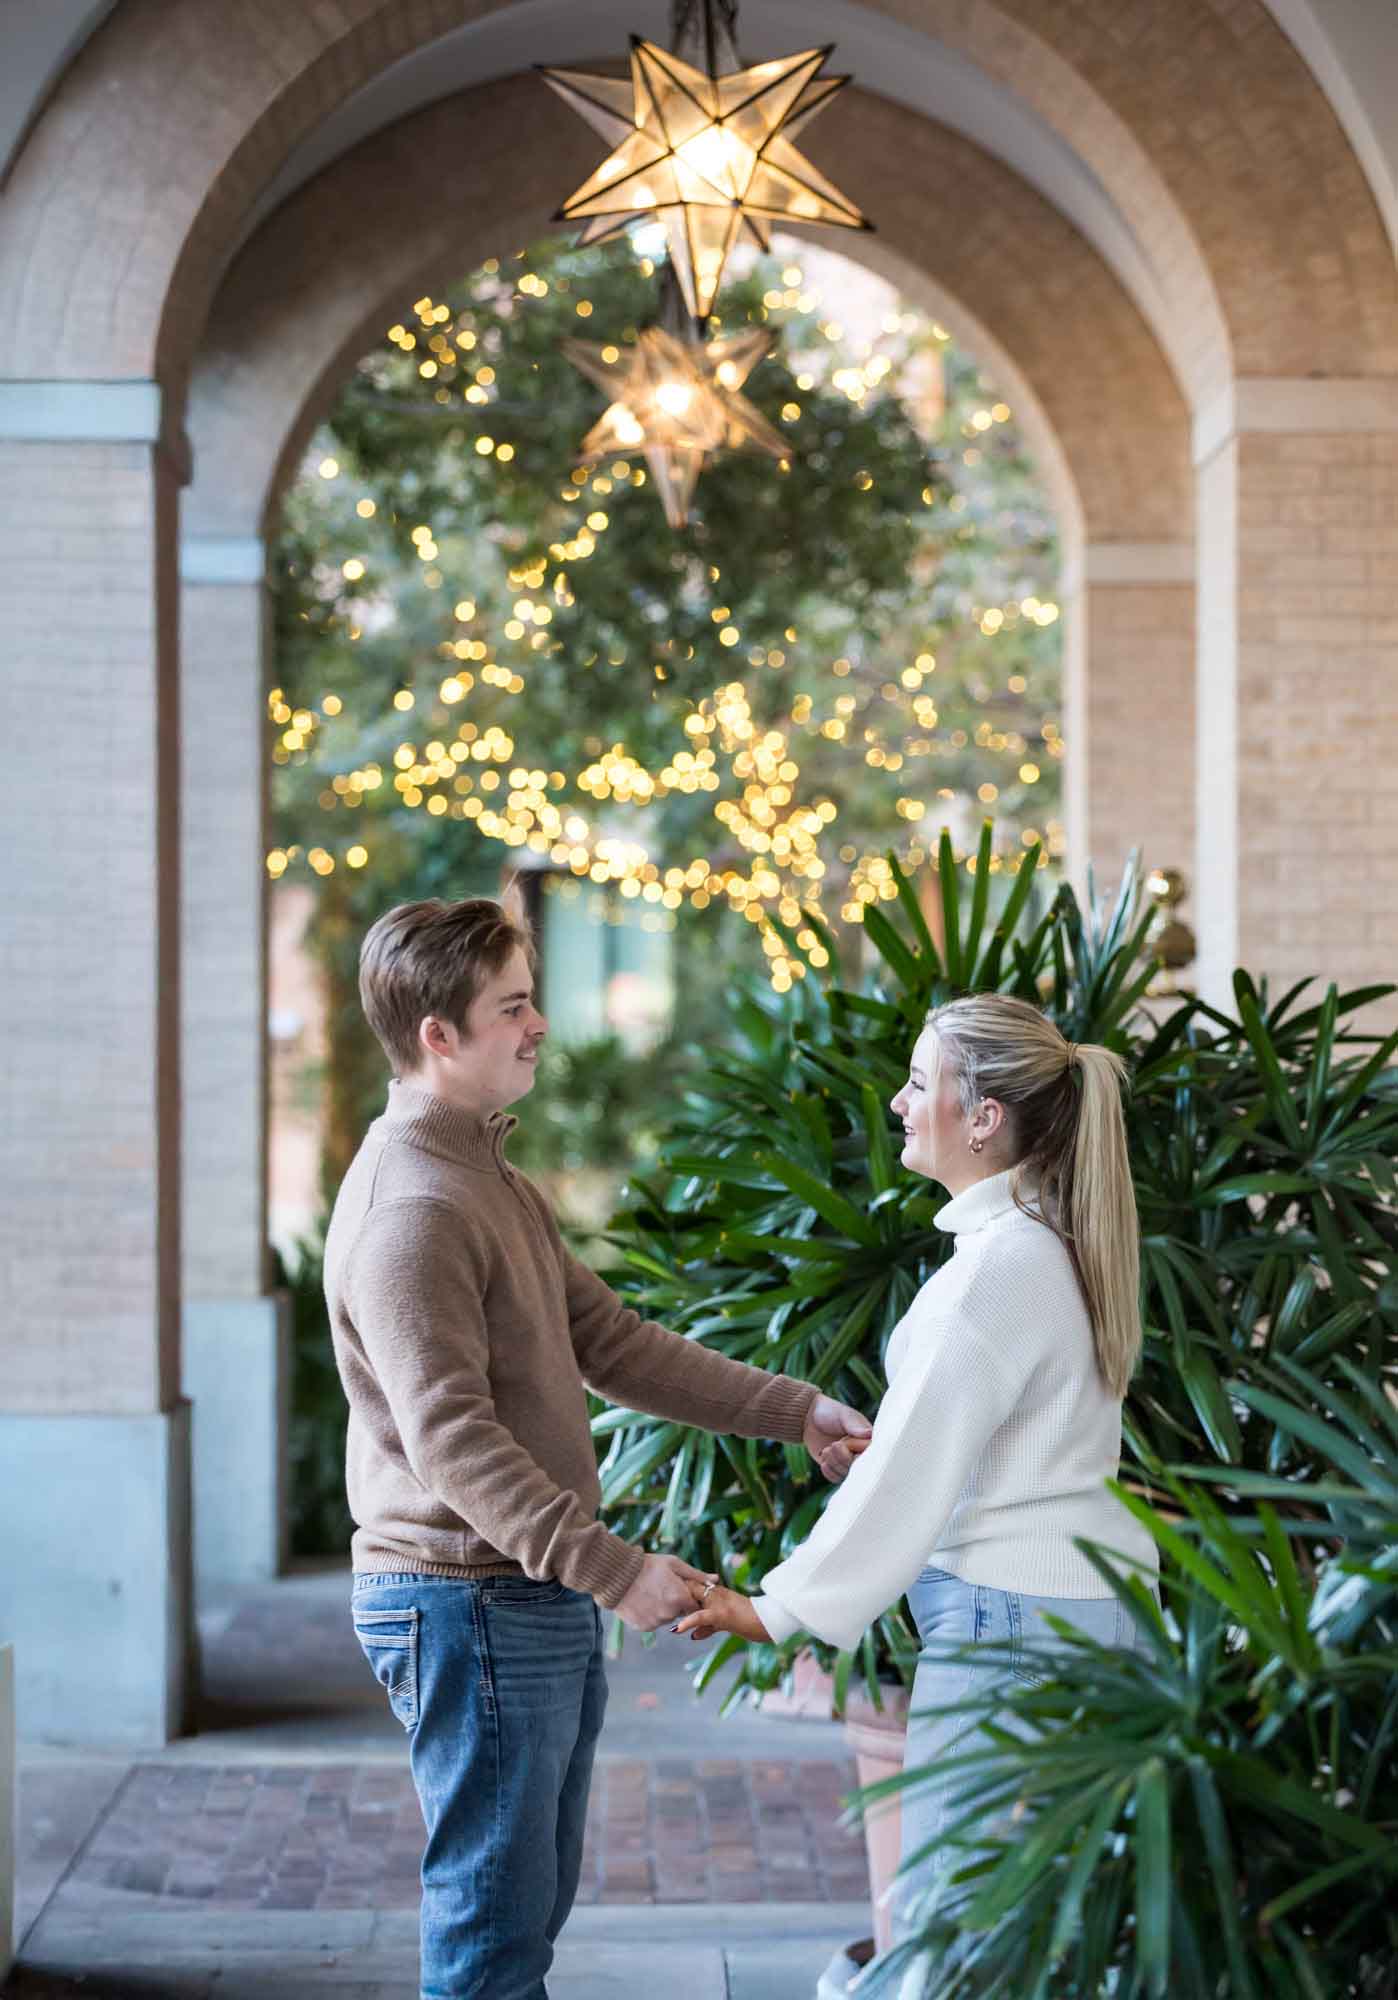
(417, 1117)
(982, 1204)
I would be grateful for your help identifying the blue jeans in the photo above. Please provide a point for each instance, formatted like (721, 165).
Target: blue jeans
(953, 1616)
(501, 1689)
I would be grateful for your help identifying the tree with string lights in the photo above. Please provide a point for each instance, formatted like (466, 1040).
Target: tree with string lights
(487, 653)
(453, 607)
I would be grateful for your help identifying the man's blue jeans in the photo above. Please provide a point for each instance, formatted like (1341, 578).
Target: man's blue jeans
(501, 1688)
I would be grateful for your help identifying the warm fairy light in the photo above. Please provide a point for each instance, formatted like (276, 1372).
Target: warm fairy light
(774, 852)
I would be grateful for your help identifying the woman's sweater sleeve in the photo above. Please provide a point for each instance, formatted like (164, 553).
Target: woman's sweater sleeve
(955, 1388)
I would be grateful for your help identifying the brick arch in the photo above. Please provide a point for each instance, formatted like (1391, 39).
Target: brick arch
(407, 211)
(138, 180)
(1223, 154)
(1201, 121)
(408, 208)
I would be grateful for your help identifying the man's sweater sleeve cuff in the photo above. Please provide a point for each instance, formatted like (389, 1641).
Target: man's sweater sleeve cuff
(786, 1406)
(777, 1620)
(607, 1569)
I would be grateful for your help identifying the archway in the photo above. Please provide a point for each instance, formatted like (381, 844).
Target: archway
(404, 212)
(148, 167)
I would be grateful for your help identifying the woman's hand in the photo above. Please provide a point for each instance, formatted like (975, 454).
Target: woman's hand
(722, 1610)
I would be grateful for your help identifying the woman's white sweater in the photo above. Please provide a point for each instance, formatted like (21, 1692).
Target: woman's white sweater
(991, 1449)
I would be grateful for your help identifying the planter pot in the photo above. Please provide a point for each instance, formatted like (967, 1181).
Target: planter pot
(811, 1697)
(877, 1739)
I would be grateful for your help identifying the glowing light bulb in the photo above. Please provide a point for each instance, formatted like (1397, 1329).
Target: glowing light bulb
(674, 397)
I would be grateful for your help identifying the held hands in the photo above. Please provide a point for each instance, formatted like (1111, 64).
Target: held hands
(835, 1435)
(665, 1587)
(722, 1610)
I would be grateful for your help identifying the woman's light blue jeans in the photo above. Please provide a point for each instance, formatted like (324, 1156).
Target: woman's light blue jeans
(953, 1617)
(501, 1689)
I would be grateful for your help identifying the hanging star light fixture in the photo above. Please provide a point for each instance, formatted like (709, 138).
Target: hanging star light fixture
(675, 400)
(704, 146)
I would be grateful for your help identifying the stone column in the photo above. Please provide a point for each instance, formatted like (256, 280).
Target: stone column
(1298, 683)
(1128, 719)
(94, 1439)
(236, 1330)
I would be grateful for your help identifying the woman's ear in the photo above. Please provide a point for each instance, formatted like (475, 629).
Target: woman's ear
(988, 1120)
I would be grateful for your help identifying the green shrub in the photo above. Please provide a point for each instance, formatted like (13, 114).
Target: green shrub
(1214, 1819)
(781, 1228)
(320, 1523)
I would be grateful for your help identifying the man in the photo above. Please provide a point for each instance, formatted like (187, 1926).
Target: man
(464, 1333)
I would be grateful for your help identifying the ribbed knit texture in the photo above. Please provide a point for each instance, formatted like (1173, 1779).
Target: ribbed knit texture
(990, 1449)
(464, 1332)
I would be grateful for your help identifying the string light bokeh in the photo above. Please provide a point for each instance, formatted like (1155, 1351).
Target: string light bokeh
(763, 756)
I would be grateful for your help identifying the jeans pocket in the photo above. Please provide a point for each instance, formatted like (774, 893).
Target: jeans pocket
(389, 1642)
(520, 1593)
(1031, 1640)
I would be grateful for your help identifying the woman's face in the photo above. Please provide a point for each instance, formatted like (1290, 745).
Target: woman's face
(936, 1130)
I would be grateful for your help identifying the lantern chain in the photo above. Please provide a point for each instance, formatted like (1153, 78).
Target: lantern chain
(709, 24)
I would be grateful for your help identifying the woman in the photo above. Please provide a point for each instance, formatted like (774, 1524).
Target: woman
(1002, 1420)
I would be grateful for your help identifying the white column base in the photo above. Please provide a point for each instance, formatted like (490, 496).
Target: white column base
(95, 1591)
(237, 1376)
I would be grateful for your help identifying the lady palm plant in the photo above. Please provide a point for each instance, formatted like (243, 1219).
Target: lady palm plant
(1214, 1817)
(782, 1229)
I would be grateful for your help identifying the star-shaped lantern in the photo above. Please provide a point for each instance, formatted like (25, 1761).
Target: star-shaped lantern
(675, 399)
(705, 150)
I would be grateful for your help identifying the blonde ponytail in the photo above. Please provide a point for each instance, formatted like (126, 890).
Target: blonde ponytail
(1067, 1134)
(1098, 1214)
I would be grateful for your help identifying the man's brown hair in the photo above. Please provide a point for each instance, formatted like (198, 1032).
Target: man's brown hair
(432, 958)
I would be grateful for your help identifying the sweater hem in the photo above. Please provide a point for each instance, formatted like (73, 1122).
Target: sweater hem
(1069, 1575)
(386, 1562)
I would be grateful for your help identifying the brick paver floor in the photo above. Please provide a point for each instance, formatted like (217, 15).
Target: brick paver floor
(274, 1855)
(349, 1836)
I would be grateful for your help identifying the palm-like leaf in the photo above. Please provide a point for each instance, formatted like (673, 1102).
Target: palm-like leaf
(782, 1230)
(1212, 1817)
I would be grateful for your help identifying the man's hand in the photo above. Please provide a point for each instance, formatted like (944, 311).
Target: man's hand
(835, 1435)
(661, 1592)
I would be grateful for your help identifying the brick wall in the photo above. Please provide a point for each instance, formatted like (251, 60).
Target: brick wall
(1318, 704)
(1129, 728)
(89, 997)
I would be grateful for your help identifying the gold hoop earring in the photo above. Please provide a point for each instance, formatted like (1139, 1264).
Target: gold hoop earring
(977, 1145)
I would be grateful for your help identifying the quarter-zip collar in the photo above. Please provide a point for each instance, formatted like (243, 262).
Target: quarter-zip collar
(415, 1117)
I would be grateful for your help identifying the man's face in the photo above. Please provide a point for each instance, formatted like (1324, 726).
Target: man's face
(492, 1063)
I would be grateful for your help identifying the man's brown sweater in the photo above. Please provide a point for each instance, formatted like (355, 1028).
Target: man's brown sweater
(464, 1332)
